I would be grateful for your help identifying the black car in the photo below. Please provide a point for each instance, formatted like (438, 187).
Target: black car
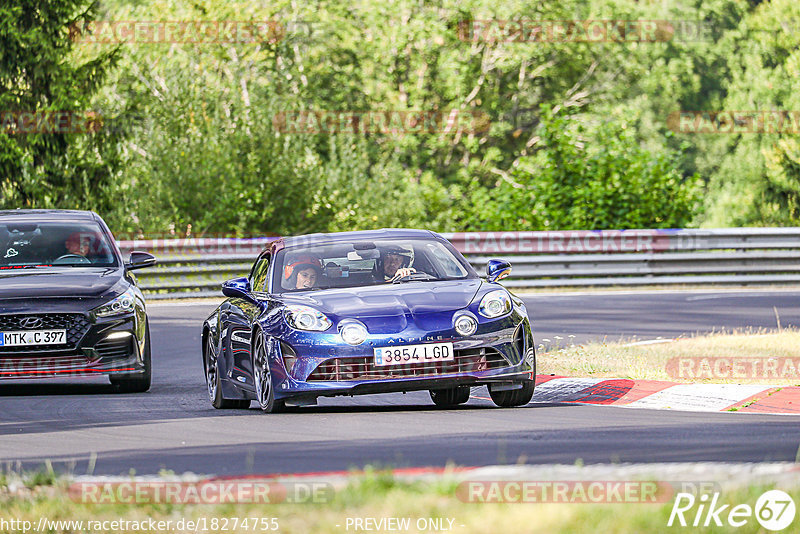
(69, 304)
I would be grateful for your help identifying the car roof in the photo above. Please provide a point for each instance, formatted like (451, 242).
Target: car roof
(345, 237)
(48, 215)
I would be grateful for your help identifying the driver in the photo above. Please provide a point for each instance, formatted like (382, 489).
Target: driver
(396, 262)
(78, 243)
(303, 272)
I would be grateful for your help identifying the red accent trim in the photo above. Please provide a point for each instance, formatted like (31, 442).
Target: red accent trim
(54, 371)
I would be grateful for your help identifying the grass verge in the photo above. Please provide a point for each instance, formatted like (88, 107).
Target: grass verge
(377, 495)
(726, 358)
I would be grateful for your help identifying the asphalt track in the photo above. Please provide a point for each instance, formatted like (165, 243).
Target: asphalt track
(83, 426)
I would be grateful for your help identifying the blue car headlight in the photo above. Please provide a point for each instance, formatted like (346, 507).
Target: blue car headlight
(119, 305)
(306, 318)
(494, 304)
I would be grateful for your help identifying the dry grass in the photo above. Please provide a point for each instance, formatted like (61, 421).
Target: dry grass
(736, 357)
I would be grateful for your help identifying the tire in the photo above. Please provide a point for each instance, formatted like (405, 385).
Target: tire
(262, 375)
(138, 383)
(213, 385)
(451, 396)
(513, 397)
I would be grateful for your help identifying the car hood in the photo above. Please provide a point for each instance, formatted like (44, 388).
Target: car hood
(62, 282)
(389, 308)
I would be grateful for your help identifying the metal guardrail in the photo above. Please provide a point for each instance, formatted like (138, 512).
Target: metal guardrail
(742, 256)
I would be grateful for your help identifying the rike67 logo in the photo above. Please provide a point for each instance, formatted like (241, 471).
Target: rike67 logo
(774, 510)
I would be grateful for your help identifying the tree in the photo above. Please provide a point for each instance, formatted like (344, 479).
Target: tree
(68, 160)
(587, 176)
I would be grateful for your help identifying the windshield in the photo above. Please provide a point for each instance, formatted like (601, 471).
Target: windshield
(46, 244)
(365, 263)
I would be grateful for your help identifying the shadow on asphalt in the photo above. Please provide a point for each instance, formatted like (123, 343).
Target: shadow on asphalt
(40, 389)
(698, 441)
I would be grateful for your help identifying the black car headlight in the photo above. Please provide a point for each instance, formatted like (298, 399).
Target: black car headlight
(119, 305)
(494, 304)
(306, 318)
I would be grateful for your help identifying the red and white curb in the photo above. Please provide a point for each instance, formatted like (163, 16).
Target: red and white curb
(662, 395)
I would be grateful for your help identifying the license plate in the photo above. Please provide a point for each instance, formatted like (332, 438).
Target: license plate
(409, 354)
(33, 337)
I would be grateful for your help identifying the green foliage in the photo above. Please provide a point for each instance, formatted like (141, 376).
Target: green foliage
(37, 76)
(779, 199)
(577, 136)
(588, 176)
(750, 174)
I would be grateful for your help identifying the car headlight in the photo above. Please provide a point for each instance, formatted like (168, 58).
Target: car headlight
(353, 332)
(494, 304)
(306, 318)
(465, 324)
(121, 304)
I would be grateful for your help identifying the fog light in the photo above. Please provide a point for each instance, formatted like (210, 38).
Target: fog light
(118, 335)
(466, 325)
(353, 333)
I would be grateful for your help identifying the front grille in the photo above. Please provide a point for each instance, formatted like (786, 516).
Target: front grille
(364, 368)
(76, 325)
(114, 348)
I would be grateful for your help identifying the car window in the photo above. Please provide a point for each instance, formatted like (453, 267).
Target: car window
(443, 260)
(366, 262)
(258, 277)
(47, 244)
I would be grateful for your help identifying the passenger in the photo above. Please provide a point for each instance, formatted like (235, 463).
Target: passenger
(303, 272)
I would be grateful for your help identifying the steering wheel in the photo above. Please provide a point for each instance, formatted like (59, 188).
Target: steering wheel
(419, 275)
(71, 259)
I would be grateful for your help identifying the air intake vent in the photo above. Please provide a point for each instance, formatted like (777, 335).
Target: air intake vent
(114, 348)
(364, 368)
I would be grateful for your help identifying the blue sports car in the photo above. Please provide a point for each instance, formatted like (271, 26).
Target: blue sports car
(367, 312)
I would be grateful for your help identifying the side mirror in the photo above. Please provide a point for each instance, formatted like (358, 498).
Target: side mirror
(496, 270)
(140, 260)
(237, 288)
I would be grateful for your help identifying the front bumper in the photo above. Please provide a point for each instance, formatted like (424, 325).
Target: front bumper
(502, 351)
(102, 347)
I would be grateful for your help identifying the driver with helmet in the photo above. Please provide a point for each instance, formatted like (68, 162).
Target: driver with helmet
(395, 263)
